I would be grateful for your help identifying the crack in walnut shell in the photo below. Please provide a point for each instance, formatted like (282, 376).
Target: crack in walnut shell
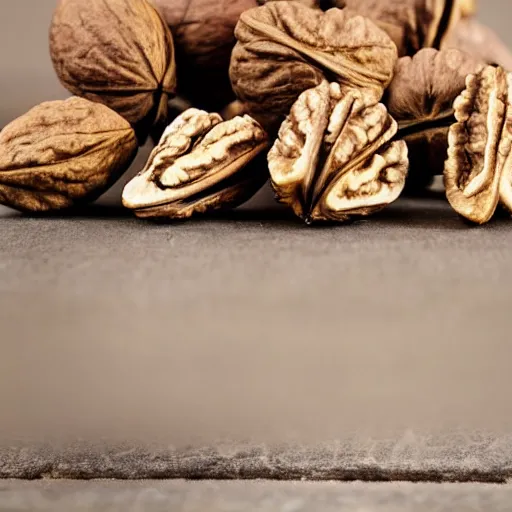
(334, 158)
(63, 153)
(285, 48)
(201, 163)
(116, 52)
(478, 171)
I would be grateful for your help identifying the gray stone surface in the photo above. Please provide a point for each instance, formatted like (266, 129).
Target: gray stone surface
(375, 350)
(180, 496)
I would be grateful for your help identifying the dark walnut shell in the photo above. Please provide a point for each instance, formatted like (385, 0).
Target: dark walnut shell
(420, 98)
(204, 37)
(334, 158)
(478, 171)
(115, 52)
(202, 163)
(63, 153)
(285, 48)
(480, 41)
(413, 24)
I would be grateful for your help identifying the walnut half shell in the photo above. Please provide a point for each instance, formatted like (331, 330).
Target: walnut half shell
(478, 171)
(200, 164)
(334, 159)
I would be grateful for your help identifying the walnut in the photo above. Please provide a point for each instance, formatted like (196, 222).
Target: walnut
(119, 53)
(200, 164)
(413, 24)
(204, 37)
(420, 99)
(480, 41)
(285, 48)
(334, 158)
(63, 153)
(478, 170)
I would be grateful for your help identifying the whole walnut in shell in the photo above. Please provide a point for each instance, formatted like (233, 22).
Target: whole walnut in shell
(115, 52)
(420, 98)
(414, 24)
(204, 37)
(63, 153)
(285, 48)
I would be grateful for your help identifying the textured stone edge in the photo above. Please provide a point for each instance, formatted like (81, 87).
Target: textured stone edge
(454, 457)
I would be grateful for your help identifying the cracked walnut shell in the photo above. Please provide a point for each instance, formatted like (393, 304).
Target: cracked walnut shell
(285, 48)
(63, 153)
(420, 98)
(478, 171)
(201, 163)
(334, 158)
(115, 52)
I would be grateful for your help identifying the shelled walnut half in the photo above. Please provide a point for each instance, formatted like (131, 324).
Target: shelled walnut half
(478, 171)
(334, 158)
(201, 163)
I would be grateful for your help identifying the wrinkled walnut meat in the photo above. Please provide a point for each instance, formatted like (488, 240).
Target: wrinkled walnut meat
(413, 24)
(480, 41)
(334, 159)
(203, 32)
(115, 52)
(201, 164)
(420, 98)
(285, 48)
(478, 171)
(63, 153)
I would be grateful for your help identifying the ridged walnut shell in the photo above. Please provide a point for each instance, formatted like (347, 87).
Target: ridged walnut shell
(285, 48)
(63, 153)
(478, 171)
(334, 158)
(202, 163)
(420, 98)
(116, 52)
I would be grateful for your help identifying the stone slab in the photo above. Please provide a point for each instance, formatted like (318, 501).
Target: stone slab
(181, 496)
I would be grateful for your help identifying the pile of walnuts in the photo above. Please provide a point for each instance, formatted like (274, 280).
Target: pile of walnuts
(341, 103)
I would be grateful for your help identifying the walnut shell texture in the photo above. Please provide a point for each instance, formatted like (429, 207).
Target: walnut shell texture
(285, 48)
(420, 98)
(478, 170)
(334, 158)
(62, 153)
(204, 37)
(201, 164)
(413, 24)
(115, 52)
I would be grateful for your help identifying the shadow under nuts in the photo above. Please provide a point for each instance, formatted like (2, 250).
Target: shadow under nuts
(285, 48)
(478, 171)
(334, 158)
(63, 153)
(119, 53)
(201, 163)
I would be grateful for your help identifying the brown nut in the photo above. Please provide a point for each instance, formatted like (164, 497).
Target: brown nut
(413, 24)
(119, 53)
(420, 98)
(478, 170)
(480, 41)
(285, 48)
(200, 164)
(334, 158)
(63, 153)
(204, 37)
